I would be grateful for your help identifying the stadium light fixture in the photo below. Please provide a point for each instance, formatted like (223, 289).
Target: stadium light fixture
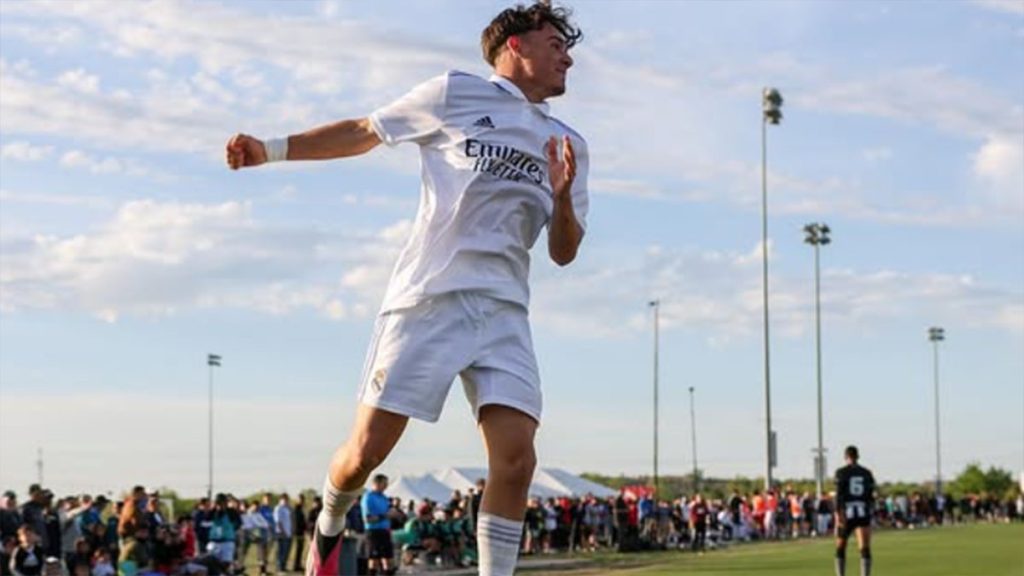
(212, 361)
(656, 305)
(817, 235)
(936, 335)
(771, 108)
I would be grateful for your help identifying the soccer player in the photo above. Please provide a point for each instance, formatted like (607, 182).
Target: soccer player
(855, 500)
(497, 168)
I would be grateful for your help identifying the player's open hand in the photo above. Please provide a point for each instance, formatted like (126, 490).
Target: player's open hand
(561, 167)
(243, 151)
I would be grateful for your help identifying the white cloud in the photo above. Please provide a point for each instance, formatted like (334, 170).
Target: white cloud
(878, 154)
(108, 165)
(8, 196)
(930, 96)
(79, 159)
(78, 79)
(25, 151)
(155, 259)
(1010, 6)
(720, 294)
(999, 166)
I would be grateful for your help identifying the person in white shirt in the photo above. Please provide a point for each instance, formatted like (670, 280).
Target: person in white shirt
(497, 169)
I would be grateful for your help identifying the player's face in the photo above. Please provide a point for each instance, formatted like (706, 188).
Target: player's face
(547, 59)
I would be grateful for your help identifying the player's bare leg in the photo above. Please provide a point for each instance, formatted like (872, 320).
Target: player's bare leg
(508, 437)
(841, 537)
(373, 436)
(864, 544)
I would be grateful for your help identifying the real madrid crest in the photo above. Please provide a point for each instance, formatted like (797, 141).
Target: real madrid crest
(378, 379)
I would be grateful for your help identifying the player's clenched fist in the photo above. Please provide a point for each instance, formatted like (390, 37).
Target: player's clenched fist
(244, 151)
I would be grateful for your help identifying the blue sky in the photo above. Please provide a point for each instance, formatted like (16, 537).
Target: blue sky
(129, 252)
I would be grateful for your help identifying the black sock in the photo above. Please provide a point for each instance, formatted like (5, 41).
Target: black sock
(840, 562)
(865, 562)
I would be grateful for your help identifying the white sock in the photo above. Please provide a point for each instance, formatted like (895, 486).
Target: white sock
(498, 544)
(336, 504)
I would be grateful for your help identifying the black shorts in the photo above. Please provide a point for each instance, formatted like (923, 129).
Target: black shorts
(850, 525)
(380, 545)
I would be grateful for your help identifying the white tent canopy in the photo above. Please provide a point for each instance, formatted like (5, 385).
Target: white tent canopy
(419, 488)
(440, 484)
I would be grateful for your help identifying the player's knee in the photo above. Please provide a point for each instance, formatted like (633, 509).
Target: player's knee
(517, 469)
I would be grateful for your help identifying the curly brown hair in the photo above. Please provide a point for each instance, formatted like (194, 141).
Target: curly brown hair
(522, 19)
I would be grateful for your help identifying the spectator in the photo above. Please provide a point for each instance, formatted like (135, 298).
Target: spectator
(27, 559)
(10, 517)
(51, 519)
(824, 515)
(267, 510)
(9, 546)
(255, 530)
(533, 523)
(68, 513)
(33, 513)
(299, 527)
(477, 497)
(283, 531)
(699, 522)
(132, 529)
(201, 523)
(154, 518)
(79, 554)
(314, 513)
(222, 534)
(375, 506)
(101, 565)
(93, 516)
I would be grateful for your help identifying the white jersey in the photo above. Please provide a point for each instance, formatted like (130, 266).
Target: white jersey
(485, 195)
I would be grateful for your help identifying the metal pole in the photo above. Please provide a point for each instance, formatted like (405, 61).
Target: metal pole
(764, 253)
(656, 304)
(819, 472)
(693, 435)
(938, 434)
(209, 486)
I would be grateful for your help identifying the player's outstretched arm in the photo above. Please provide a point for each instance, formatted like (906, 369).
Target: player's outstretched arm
(338, 140)
(564, 233)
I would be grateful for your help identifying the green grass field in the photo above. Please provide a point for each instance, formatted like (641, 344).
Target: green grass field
(971, 550)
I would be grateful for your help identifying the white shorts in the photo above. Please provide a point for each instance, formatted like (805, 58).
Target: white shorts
(416, 353)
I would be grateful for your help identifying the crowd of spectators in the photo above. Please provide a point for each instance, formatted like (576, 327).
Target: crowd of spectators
(85, 536)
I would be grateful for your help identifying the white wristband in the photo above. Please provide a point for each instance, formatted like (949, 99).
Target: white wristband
(277, 149)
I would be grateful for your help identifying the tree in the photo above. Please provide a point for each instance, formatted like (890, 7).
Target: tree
(973, 480)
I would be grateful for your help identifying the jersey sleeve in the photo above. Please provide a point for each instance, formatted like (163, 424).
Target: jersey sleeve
(414, 117)
(840, 489)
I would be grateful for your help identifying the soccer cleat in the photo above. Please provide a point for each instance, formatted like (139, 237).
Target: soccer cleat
(322, 558)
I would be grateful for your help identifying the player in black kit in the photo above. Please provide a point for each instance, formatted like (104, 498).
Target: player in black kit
(855, 500)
